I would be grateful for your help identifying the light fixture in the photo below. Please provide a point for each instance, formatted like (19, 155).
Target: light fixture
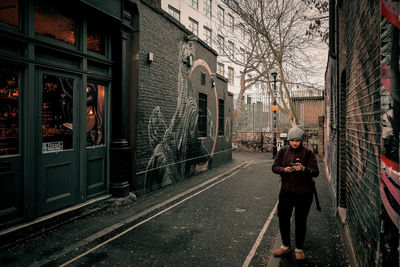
(189, 60)
(150, 57)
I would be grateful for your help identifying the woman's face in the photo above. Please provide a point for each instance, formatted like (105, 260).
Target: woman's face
(294, 143)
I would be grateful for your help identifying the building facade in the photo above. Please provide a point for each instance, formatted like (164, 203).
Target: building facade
(362, 127)
(96, 100)
(216, 23)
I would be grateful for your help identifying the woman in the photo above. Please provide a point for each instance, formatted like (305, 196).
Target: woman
(297, 166)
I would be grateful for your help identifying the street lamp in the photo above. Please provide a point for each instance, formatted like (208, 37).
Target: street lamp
(274, 108)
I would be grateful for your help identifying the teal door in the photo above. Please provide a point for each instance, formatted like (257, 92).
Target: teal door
(11, 152)
(96, 146)
(59, 183)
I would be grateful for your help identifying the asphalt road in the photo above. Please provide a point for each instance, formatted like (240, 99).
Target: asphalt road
(216, 226)
(220, 218)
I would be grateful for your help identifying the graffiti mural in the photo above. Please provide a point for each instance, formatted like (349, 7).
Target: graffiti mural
(390, 103)
(227, 129)
(177, 150)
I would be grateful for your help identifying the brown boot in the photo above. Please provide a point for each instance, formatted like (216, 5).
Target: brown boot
(282, 252)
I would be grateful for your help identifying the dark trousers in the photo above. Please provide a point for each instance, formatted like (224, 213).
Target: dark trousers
(301, 204)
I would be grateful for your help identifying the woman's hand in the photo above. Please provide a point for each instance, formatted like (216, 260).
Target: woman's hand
(298, 167)
(289, 169)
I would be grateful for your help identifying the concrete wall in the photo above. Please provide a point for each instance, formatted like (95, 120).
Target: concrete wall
(168, 148)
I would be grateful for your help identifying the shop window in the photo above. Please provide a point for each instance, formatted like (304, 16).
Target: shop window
(95, 106)
(9, 12)
(221, 117)
(95, 38)
(9, 111)
(52, 22)
(57, 113)
(202, 116)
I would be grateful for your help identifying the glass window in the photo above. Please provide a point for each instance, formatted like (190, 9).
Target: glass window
(95, 110)
(231, 74)
(174, 12)
(203, 78)
(193, 26)
(51, 21)
(221, 15)
(57, 113)
(202, 115)
(221, 69)
(207, 35)
(9, 12)
(194, 4)
(231, 23)
(221, 43)
(9, 111)
(207, 8)
(96, 38)
(221, 117)
(243, 55)
(231, 46)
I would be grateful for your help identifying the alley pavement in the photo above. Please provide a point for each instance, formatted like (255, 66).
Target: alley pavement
(73, 230)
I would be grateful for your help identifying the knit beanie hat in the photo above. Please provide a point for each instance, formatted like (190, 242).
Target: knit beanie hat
(296, 133)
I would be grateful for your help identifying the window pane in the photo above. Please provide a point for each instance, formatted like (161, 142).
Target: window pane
(9, 111)
(57, 111)
(52, 22)
(221, 69)
(231, 74)
(193, 26)
(195, 4)
(221, 117)
(174, 12)
(95, 38)
(95, 107)
(207, 35)
(207, 8)
(221, 15)
(202, 117)
(9, 12)
(231, 23)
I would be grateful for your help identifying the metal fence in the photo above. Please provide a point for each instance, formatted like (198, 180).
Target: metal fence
(257, 117)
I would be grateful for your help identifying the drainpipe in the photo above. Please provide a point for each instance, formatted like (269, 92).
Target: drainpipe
(120, 151)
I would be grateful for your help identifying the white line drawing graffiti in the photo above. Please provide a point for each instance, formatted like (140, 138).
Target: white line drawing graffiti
(201, 62)
(227, 129)
(174, 144)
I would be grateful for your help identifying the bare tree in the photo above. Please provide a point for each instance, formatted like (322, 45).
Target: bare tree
(275, 40)
(318, 17)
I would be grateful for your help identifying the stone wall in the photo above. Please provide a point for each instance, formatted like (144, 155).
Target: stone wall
(263, 141)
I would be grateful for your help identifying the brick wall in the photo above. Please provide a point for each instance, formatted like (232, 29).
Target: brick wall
(307, 110)
(321, 136)
(359, 125)
(168, 148)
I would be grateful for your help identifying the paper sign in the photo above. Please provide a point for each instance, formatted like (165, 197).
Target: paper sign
(52, 146)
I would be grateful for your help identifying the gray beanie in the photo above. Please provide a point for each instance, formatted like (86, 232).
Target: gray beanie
(296, 133)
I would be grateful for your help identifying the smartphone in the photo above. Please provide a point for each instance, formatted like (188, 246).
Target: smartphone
(292, 164)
